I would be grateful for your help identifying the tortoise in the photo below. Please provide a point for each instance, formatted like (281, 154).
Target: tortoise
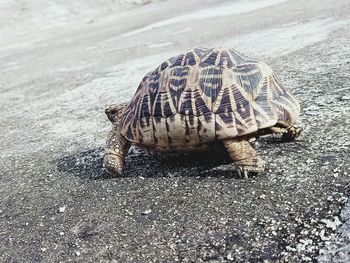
(199, 97)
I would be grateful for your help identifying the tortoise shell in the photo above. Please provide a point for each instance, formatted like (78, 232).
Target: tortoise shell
(204, 95)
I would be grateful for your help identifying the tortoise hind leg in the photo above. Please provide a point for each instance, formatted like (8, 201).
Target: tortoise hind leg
(244, 156)
(287, 133)
(292, 132)
(117, 149)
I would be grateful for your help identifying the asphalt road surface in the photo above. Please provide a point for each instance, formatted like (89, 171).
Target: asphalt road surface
(58, 205)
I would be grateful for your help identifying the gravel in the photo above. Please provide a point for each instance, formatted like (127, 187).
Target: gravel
(58, 204)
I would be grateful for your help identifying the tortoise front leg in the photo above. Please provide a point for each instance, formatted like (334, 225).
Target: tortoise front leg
(117, 149)
(244, 156)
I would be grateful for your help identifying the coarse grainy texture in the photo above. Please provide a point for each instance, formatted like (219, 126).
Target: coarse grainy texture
(185, 208)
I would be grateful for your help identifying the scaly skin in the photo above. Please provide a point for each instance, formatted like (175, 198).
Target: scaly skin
(114, 112)
(289, 133)
(117, 149)
(292, 132)
(244, 157)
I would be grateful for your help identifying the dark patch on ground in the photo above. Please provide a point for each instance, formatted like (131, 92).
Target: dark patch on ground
(88, 164)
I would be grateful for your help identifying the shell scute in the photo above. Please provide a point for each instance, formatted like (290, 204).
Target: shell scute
(204, 95)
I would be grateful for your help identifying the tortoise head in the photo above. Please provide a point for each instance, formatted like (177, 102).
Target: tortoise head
(115, 112)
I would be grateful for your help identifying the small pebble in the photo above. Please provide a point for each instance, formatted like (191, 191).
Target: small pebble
(332, 224)
(262, 196)
(146, 212)
(312, 110)
(322, 235)
(230, 257)
(345, 97)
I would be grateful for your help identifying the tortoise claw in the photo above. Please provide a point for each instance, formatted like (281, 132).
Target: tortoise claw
(244, 170)
(245, 173)
(239, 172)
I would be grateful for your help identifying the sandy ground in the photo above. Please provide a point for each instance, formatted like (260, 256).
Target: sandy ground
(57, 205)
